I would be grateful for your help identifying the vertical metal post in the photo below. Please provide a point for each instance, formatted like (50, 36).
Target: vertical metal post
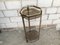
(28, 17)
(40, 25)
(29, 24)
(24, 29)
(28, 10)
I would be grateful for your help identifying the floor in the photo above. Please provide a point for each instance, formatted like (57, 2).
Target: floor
(48, 36)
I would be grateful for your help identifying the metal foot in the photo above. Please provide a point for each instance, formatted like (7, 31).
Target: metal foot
(27, 41)
(0, 31)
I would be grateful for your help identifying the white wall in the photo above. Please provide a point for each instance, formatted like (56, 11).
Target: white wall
(9, 12)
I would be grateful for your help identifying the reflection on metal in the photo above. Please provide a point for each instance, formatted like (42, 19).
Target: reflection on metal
(29, 13)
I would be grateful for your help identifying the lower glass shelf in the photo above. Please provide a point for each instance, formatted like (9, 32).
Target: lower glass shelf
(32, 35)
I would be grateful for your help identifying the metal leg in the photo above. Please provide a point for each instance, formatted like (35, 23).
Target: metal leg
(40, 25)
(24, 29)
(29, 24)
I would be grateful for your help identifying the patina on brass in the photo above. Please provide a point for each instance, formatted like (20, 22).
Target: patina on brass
(29, 13)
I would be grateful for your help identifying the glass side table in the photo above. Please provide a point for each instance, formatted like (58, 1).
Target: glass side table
(30, 13)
